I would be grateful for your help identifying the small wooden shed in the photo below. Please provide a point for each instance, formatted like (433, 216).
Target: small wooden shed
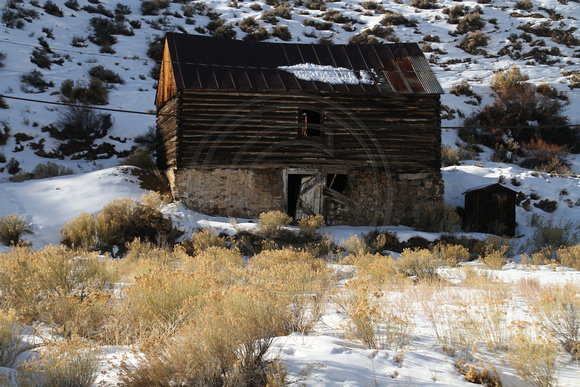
(352, 132)
(490, 209)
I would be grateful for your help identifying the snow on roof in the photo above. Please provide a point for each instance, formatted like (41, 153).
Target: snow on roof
(328, 74)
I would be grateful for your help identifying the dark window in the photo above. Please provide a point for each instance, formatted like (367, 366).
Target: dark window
(336, 182)
(311, 123)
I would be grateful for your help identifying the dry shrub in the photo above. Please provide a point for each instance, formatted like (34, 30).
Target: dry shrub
(378, 268)
(301, 283)
(227, 344)
(451, 323)
(12, 227)
(120, 222)
(493, 257)
(546, 157)
(534, 356)
(310, 224)
(419, 263)
(470, 22)
(370, 320)
(155, 200)
(479, 373)
(29, 276)
(157, 305)
(70, 363)
(80, 232)
(71, 315)
(203, 239)
(472, 41)
(424, 4)
(355, 245)
(451, 255)
(570, 256)
(506, 80)
(558, 309)
(11, 338)
(282, 32)
(435, 217)
(123, 220)
(271, 223)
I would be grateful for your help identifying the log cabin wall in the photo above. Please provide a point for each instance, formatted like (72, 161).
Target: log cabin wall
(227, 151)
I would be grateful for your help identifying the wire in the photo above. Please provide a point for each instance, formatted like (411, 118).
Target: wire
(187, 116)
(80, 106)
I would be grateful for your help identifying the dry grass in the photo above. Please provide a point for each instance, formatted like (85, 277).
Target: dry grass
(227, 344)
(70, 363)
(27, 277)
(558, 310)
(11, 338)
(534, 356)
(372, 321)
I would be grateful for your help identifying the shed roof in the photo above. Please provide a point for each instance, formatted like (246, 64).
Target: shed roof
(202, 62)
(495, 186)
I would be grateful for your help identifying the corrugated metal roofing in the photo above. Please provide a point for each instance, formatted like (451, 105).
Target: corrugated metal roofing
(202, 62)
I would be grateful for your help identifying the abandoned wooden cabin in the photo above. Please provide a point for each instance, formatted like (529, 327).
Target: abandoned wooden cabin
(348, 131)
(490, 209)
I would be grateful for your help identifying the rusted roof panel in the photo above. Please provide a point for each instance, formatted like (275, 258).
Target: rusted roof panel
(426, 76)
(202, 62)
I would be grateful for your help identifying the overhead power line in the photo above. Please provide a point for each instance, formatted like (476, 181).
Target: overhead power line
(125, 111)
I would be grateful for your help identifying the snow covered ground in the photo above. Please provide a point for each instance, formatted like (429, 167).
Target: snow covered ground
(332, 360)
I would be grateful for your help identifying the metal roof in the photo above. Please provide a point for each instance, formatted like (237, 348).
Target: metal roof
(202, 62)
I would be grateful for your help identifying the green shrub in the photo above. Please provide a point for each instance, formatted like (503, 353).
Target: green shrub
(152, 7)
(72, 4)
(81, 124)
(261, 33)
(140, 158)
(105, 75)
(34, 82)
(435, 217)
(52, 9)
(4, 133)
(550, 235)
(424, 4)
(93, 93)
(12, 228)
(50, 169)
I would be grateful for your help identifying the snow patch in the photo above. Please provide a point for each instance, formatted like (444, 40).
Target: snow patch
(328, 74)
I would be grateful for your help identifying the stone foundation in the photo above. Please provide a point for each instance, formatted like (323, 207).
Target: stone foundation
(372, 198)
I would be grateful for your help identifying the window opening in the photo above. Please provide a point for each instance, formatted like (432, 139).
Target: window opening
(311, 123)
(337, 182)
